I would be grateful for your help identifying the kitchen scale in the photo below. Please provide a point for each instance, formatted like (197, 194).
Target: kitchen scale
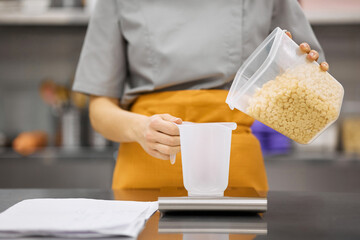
(234, 199)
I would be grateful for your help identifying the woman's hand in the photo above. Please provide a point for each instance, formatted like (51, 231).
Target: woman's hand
(312, 55)
(159, 136)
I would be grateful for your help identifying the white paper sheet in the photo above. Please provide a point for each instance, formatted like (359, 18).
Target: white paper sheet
(75, 217)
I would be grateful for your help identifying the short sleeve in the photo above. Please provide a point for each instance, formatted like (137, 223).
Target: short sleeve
(287, 14)
(101, 69)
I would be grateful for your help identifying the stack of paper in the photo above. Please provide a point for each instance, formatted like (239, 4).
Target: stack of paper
(75, 218)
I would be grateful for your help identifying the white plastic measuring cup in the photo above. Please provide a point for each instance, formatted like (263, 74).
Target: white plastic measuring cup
(205, 154)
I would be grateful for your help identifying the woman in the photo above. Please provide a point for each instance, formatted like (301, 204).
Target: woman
(149, 64)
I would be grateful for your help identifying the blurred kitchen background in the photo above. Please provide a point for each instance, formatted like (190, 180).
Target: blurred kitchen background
(40, 44)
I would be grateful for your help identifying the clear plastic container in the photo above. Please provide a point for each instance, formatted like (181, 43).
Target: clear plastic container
(279, 87)
(205, 154)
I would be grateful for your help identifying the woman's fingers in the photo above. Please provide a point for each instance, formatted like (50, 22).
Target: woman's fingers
(168, 117)
(165, 149)
(312, 55)
(305, 47)
(324, 66)
(165, 126)
(159, 137)
(154, 136)
(159, 155)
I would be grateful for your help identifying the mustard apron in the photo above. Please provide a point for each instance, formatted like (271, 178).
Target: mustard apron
(137, 169)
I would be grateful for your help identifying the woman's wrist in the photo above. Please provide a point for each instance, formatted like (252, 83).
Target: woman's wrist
(137, 128)
(115, 123)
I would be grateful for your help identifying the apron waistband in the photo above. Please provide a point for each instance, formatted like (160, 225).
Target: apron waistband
(193, 106)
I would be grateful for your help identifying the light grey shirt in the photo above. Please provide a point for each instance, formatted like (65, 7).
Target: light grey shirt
(134, 47)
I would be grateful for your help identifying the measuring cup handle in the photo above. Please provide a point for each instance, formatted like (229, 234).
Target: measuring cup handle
(172, 158)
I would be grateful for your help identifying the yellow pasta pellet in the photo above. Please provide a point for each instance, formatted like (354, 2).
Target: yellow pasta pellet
(299, 103)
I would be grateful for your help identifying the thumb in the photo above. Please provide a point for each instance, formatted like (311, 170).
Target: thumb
(170, 118)
(289, 34)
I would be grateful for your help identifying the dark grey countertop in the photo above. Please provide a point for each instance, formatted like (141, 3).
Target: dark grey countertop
(62, 154)
(290, 215)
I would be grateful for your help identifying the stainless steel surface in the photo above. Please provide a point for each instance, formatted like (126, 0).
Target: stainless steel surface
(221, 204)
(290, 215)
